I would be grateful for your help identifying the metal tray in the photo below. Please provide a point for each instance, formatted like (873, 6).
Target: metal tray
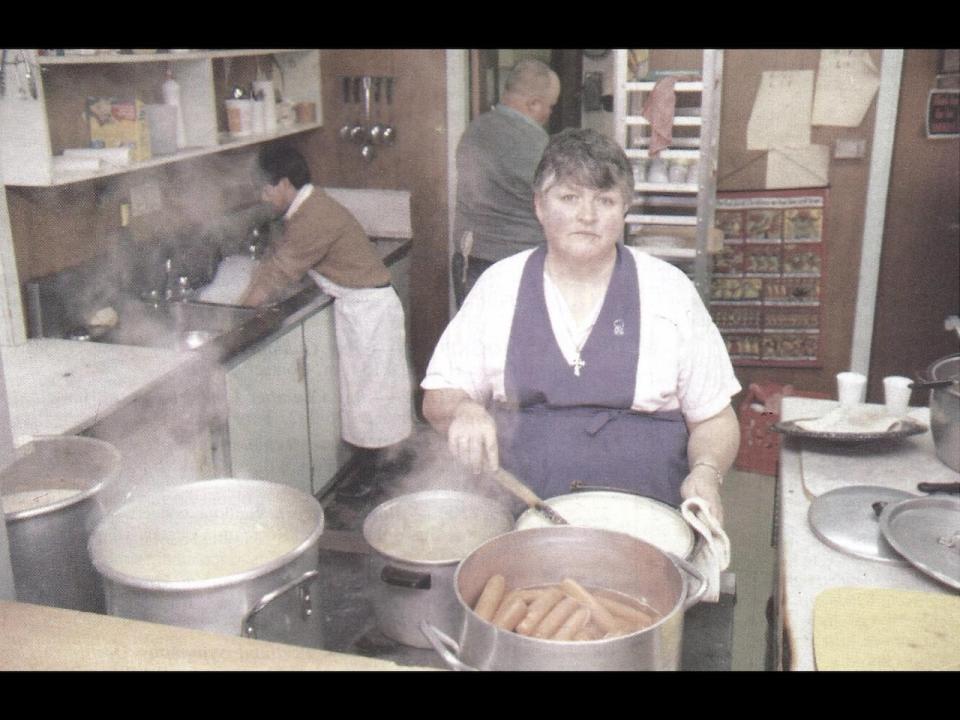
(908, 427)
(926, 531)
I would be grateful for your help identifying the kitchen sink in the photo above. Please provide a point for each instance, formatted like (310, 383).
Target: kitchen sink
(180, 324)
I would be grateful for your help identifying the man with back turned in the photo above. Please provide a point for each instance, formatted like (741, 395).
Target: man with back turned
(496, 159)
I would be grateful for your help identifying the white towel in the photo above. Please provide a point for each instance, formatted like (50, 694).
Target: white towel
(859, 419)
(230, 281)
(714, 557)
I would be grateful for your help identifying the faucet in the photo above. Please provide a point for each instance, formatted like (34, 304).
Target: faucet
(174, 287)
(168, 284)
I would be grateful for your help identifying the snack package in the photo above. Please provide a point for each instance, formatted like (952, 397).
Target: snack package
(119, 123)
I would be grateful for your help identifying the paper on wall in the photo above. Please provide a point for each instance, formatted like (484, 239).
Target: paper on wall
(781, 111)
(847, 81)
(796, 167)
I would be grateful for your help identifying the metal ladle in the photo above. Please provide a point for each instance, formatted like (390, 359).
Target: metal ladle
(376, 132)
(358, 133)
(345, 129)
(389, 133)
(367, 152)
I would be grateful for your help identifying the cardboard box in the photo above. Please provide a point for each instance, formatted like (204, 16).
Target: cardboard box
(119, 123)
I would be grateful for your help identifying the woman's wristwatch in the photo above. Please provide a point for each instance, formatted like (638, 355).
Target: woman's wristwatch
(716, 473)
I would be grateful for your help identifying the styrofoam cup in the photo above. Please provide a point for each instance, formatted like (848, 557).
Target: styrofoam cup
(851, 388)
(896, 394)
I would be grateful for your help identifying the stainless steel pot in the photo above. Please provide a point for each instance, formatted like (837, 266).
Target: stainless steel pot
(592, 557)
(622, 511)
(419, 539)
(209, 555)
(51, 499)
(945, 410)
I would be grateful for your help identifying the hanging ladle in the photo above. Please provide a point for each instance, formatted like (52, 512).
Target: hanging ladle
(367, 152)
(389, 134)
(345, 129)
(358, 133)
(509, 482)
(376, 132)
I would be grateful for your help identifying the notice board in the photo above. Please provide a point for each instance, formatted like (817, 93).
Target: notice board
(766, 293)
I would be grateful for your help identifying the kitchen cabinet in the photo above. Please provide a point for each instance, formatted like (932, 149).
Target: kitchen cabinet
(42, 108)
(283, 401)
(267, 413)
(328, 452)
(672, 216)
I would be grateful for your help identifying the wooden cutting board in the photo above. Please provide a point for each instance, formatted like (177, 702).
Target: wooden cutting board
(883, 629)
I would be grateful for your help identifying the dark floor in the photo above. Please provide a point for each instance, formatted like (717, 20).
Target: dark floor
(345, 618)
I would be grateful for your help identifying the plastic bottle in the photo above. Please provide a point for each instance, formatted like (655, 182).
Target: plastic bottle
(171, 96)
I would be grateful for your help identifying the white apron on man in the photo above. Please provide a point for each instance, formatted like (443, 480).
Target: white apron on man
(375, 382)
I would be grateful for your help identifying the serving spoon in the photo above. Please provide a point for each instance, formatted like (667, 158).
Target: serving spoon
(509, 482)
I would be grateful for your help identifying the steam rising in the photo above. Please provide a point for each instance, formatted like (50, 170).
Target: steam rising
(435, 468)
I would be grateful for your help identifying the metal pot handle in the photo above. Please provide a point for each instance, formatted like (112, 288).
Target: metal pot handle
(580, 486)
(247, 629)
(409, 579)
(694, 598)
(446, 646)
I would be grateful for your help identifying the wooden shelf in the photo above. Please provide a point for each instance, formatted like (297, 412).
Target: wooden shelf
(114, 58)
(227, 143)
(34, 131)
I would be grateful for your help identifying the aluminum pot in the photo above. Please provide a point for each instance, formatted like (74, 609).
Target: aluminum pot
(622, 511)
(595, 558)
(209, 555)
(945, 410)
(419, 539)
(51, 499)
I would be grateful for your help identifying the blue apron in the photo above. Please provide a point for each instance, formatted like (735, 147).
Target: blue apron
(557, 427)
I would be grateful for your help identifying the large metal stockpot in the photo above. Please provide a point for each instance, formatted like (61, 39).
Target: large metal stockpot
(594, 558)
(209, 555)
(420, 538)
(945, 410)
(51, 502)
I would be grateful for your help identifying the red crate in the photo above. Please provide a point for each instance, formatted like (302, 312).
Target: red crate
(759, 412)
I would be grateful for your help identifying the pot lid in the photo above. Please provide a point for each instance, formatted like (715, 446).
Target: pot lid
(926, 531)
(434, 526)
(845, 519)
(642, 517)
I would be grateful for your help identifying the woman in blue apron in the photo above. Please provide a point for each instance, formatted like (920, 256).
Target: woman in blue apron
(560, 331)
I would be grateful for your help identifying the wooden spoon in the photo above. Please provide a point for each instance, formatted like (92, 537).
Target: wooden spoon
(509, 482)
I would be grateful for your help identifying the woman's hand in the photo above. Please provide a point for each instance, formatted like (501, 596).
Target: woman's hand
(702, 482)
(471, 431)
(711, 451)
(472, 437)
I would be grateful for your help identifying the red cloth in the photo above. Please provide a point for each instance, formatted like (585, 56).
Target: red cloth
(658, 110)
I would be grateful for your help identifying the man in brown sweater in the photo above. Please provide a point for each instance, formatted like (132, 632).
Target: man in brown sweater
(322, 240)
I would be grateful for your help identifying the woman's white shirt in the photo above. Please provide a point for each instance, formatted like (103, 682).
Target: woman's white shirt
(683, 362)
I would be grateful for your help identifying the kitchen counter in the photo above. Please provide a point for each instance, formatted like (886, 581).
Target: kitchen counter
(63, 387)
(34, 637)
(807, 566)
